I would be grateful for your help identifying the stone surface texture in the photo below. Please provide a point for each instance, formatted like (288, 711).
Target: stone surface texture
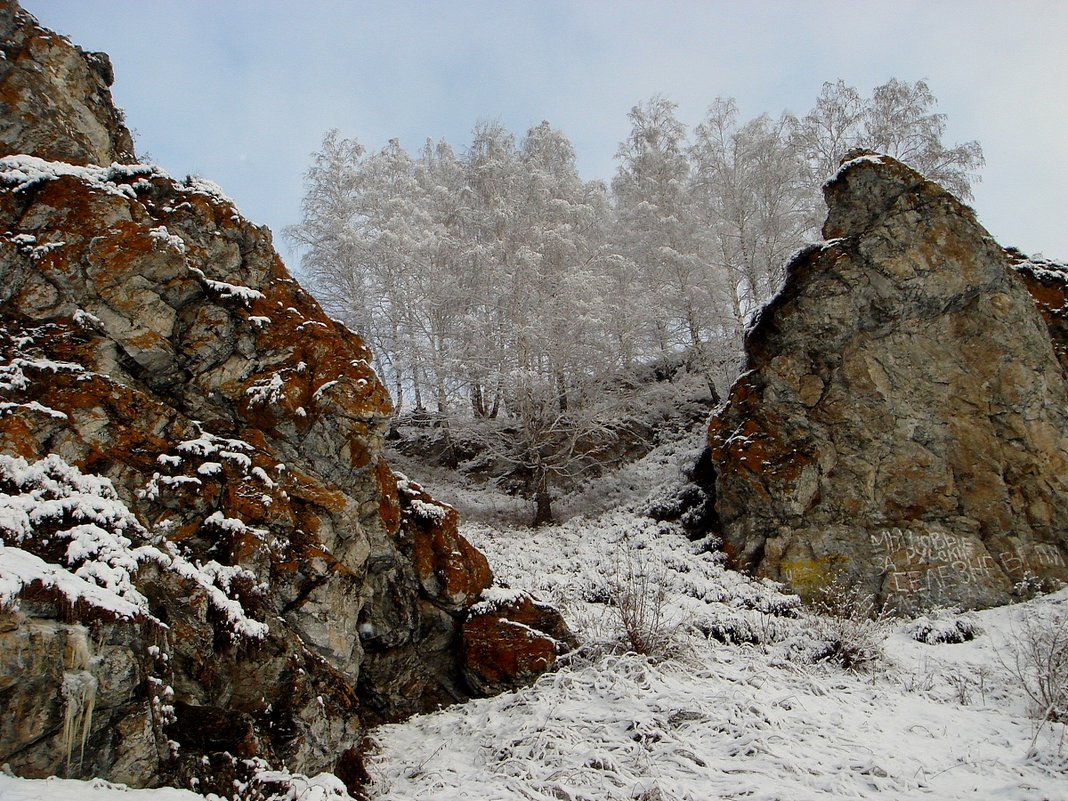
(1047, 281)
(505, 642)
(206, 566)
(903, 419)
(54, 97)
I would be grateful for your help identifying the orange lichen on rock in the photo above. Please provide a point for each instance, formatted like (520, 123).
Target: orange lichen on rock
(452, 572)
(509, 643)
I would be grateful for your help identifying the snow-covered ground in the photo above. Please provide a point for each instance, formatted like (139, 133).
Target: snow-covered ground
(324, 787)
(742, 697)
(742, 694)
(12, 789)
(756, 720)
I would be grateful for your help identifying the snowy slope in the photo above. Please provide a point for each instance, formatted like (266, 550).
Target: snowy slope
(715, 720)
(735, 702)
(324, 787)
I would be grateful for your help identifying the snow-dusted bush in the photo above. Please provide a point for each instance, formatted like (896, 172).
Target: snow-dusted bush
(639, 600)
(843, 627)
(777, 624)
(254, 780)
(935, 628)
(1031, 586)
(1038, 663)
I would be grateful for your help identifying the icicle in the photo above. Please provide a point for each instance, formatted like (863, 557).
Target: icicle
(79, 696)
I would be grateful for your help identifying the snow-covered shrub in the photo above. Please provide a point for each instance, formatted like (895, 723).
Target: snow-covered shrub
(936, 629)
(748, 626)
(639, 600)
(1031, 586)
(843, 627)
(730, 629)
(1038, 663)
(236, 779)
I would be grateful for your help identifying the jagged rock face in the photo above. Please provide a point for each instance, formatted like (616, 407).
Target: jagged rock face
(904, 419)
(206, 566)
(54, 97)
(1047, 281)
(238, 423)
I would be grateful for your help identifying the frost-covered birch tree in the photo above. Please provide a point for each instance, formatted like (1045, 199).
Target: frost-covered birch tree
(376, 258)
(658, 233)
(749, 193)
(539, 240)
(556, 358)
(337, 237)
(899, 119)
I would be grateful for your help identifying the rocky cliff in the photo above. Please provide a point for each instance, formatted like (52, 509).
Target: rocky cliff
(54, 97)
(903, 418)
(206, 567)
(1047, 281)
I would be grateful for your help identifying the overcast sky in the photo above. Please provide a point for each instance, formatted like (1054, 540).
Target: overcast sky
(242, 91)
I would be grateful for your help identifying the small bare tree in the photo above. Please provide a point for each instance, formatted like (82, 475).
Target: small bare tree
(547, 441)
(639, 602)
(1038, 662)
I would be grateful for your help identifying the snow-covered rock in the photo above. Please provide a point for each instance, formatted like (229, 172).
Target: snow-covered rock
(903, 419)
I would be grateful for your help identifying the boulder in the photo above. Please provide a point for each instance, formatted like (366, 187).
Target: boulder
(902, 421)
(509, 639)
(207, 569)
